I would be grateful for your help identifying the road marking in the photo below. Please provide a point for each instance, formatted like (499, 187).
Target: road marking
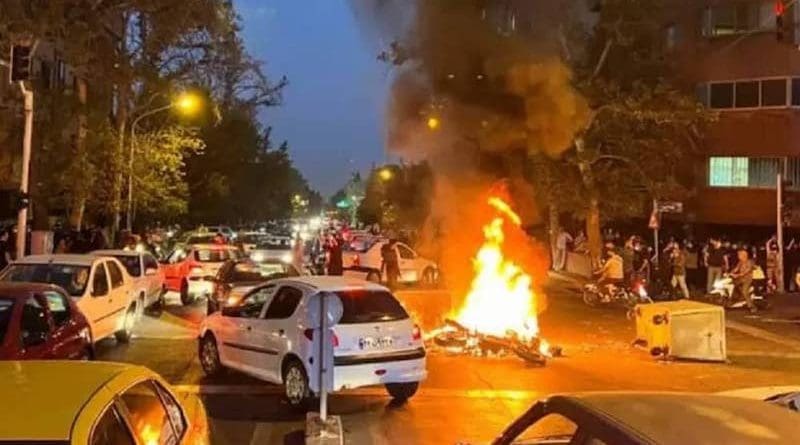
(267, 389)
(762, 334)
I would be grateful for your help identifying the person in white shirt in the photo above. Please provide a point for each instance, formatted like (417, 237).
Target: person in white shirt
(562, 243)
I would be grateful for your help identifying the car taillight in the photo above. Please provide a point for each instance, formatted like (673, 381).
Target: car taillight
(416, 333)
(309, 333)
(356, 261)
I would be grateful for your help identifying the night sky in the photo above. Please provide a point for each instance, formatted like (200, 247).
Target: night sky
(332, 110)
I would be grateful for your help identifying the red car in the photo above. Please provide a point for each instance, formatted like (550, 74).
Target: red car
(40, 321)
(191, 269)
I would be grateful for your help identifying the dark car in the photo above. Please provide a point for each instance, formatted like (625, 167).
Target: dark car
(40, 321)
(244, 274)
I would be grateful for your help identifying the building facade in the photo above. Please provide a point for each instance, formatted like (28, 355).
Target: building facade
(730, 51)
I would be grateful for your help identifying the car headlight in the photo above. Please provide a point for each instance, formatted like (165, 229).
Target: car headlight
(286, 257)
(257, 257)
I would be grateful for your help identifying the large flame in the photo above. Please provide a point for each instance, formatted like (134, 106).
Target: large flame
(501, 297)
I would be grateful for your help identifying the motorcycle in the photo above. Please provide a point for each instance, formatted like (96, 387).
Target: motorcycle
(723, 290)
(595, 295)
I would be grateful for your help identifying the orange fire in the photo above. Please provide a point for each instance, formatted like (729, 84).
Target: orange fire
(501, 297)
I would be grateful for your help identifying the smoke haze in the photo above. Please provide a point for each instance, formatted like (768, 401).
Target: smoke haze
(498, 91)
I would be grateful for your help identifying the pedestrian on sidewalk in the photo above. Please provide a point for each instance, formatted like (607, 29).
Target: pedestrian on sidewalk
(716, 263)
(562, 243)
(678, 259)
(628, 255)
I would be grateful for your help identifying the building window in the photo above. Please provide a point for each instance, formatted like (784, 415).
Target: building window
(721, 95)
(773, 93)
(751, 93)
(738, 18)
(743, 172)
(746, 94)
(727, 172)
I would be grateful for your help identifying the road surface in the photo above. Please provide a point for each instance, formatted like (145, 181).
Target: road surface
(465, 399)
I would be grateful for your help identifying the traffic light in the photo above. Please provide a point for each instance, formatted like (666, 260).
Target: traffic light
(20, 63)
(780, 10)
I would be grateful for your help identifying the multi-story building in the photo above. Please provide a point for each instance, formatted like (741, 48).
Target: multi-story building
(731, 51)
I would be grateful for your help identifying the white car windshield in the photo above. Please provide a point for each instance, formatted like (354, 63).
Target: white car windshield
(72, 278)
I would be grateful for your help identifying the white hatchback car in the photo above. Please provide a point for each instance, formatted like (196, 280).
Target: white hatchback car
(99, 285)
(147, 275)
(267, 336)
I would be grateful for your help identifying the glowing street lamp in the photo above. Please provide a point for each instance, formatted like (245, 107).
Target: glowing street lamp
(186, 103)
(385, 174)
(433, 123)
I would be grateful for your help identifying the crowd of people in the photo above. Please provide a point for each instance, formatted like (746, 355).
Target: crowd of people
(687, 266)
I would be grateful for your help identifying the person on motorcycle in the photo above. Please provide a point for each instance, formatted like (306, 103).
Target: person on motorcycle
(742, 276)
(612, 272)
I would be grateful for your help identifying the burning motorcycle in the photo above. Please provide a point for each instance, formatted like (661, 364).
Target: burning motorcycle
(723, 290)
(627, 296)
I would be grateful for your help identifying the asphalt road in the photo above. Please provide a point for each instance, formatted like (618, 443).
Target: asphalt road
(465, 399)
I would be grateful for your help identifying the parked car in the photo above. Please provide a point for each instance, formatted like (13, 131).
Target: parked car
(641, 418)
(273, 247)
(146, 273)
(96, 403)
(40, 321)
(226, 231)
(191, 270)
(363, 255)
(236, 277)
(268, 336)
(99, 285)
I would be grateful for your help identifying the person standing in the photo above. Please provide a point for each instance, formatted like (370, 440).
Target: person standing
(628, 255)
(390, 264)
(716, 263)
(678, 258)
(5, 250)
(742, 276)
(335, 261)
(562, 243)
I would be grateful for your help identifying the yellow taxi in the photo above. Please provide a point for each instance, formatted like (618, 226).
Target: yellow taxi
(95, 403)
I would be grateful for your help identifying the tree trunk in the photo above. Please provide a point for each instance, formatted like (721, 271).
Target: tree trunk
(80, 190)
(554, 227)
(593, 235)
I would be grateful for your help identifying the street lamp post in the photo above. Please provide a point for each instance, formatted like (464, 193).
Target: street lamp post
(186, 103)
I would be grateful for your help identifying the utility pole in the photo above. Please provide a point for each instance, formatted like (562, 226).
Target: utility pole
(22, 216)
(780, 232)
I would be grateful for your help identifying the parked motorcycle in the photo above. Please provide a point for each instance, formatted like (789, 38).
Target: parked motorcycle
(723, 290)
(595, 295)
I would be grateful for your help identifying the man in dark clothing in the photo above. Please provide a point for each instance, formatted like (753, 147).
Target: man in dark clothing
(335, 261)
(391, 264)
(716, 262)
(5, 250)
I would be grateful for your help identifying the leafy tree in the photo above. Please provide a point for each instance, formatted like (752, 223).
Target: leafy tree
(644, 128)
(397, 196)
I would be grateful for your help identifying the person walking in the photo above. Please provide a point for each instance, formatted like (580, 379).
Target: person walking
(562, 243)
(678, 259)
(390, 263)
(716, 263)
(628, 255)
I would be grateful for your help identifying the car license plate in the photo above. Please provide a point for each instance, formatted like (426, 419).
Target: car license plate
(375, 342)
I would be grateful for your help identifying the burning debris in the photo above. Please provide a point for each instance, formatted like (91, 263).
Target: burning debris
(499, 313)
